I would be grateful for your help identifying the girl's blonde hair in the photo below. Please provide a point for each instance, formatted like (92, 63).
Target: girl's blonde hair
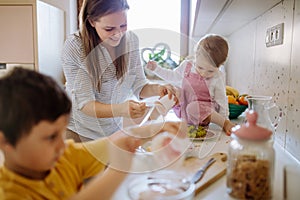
(215, 47)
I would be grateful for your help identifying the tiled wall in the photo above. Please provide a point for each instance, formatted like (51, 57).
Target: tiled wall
(254, 68)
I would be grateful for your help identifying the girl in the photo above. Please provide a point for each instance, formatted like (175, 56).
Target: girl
(202, 88)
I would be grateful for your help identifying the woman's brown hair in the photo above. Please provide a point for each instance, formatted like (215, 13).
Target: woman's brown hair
(93, 10)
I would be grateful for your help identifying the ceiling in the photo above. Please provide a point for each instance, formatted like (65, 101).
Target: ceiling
(226, 16)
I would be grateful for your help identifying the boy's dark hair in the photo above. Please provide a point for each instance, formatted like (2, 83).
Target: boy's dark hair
(26, 98)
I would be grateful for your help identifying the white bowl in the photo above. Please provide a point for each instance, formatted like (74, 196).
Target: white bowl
(163, 186)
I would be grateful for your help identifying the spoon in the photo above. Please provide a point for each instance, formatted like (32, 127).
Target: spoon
(200, 173)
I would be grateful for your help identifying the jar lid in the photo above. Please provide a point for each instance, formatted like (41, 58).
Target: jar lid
(250, 130)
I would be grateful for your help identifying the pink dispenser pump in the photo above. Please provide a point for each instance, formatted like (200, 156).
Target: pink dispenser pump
(250, 130)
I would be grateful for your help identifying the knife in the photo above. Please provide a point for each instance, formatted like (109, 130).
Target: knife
(147, 116)
(199, 174)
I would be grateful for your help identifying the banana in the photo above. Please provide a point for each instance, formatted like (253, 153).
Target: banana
(232, 91)
(243, 95)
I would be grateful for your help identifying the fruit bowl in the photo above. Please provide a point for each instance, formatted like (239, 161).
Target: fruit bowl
(236, 110)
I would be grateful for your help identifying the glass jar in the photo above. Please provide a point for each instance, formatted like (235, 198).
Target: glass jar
(251, 155)
(263, 106)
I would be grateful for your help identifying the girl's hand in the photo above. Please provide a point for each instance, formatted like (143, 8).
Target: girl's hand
(134, 109)
(151, 65)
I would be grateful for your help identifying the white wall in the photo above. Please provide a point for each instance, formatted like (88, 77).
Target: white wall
(254, 68)
(51, 36)
(70, 8)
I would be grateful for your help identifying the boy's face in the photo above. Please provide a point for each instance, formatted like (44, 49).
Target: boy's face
(205, 67)
(38, 151)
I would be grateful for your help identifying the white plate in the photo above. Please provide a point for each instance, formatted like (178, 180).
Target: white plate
(209, 135)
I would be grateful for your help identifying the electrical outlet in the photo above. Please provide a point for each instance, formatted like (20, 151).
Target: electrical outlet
(274, 35)
(2, 66)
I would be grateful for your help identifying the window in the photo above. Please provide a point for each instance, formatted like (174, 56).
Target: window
(164, 14)
(156, 21)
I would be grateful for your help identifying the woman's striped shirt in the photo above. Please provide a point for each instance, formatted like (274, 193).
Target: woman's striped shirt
(79, 84)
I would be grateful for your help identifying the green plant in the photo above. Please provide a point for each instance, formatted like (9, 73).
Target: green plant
(158, 57)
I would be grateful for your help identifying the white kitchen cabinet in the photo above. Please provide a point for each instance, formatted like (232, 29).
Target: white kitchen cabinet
(32, 35)
(224, 17)
(16, 35)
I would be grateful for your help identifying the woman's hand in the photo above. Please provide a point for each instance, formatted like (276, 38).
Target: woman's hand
(169, 90)
(150, 90)
(133, 109)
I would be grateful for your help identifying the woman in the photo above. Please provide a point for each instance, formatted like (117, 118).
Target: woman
(103, 69)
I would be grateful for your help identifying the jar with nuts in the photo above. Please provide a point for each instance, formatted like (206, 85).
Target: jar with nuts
(251, 161)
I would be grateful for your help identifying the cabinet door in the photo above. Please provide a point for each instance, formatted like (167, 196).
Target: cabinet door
(16, 34)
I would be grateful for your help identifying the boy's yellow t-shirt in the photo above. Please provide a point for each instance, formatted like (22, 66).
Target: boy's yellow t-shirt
(79, 162)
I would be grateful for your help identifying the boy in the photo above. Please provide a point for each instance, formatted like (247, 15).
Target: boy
(39, 164)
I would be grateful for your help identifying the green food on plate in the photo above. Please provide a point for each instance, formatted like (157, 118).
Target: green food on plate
(196, 131)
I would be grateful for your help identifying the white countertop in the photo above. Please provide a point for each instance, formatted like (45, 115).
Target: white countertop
(217, 190)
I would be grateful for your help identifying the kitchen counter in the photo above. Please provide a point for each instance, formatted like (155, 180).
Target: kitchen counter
(217, 190)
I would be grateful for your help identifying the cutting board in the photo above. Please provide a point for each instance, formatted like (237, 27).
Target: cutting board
(213, 173)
